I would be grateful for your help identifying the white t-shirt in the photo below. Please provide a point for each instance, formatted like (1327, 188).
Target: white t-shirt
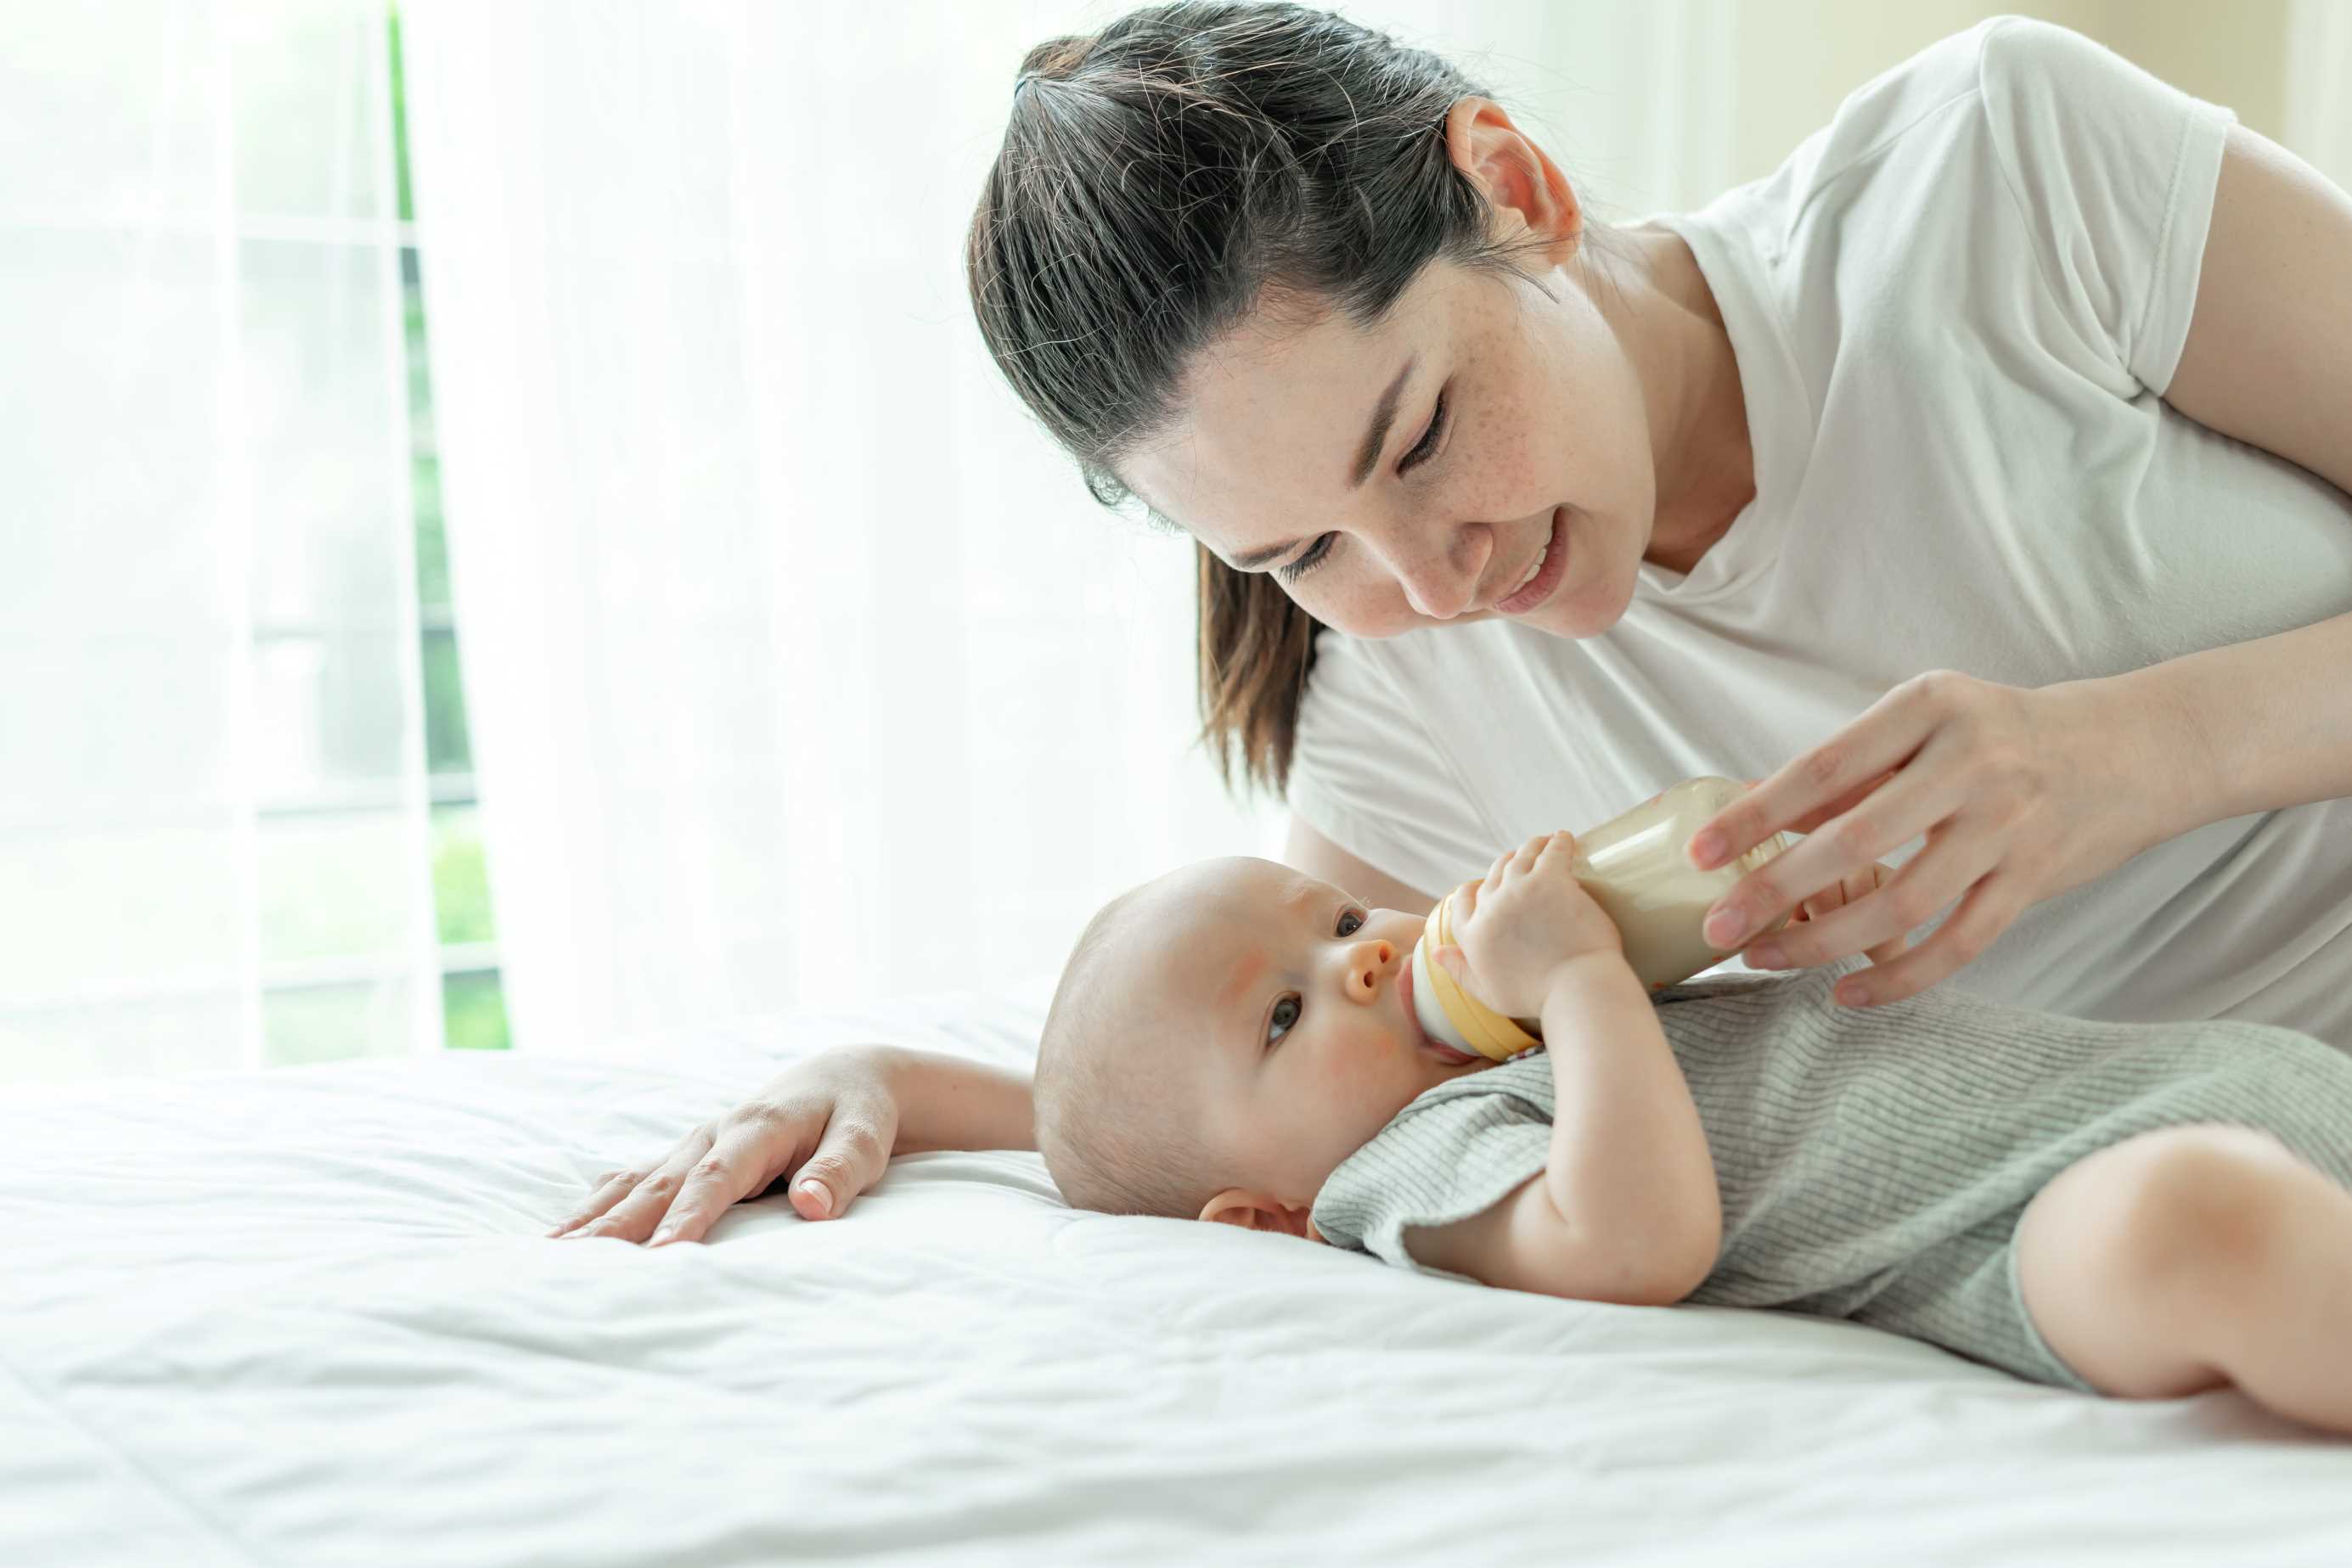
(1954, 309)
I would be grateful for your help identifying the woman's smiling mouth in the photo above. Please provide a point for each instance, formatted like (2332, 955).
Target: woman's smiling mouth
(1544, 575)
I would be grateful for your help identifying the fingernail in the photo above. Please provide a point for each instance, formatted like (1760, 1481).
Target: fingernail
(1706, 849)
(1852, 994)
(818, 1196)
(661, 1237)
(1725, 927)
(1766, 955)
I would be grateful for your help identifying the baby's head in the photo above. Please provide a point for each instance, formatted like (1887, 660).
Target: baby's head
(1222, 1038)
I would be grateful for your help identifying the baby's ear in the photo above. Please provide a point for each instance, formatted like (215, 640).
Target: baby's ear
(1255, 1210)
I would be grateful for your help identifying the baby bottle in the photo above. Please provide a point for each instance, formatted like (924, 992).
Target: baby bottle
(1634, 868)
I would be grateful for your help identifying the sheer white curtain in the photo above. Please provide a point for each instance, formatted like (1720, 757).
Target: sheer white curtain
(802, 669)
(212, 792)
(804, 672)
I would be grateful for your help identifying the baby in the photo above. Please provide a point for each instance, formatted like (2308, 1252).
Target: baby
(2143, 1210)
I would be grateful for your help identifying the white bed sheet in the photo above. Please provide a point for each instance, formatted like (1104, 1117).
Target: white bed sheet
(308, 1317)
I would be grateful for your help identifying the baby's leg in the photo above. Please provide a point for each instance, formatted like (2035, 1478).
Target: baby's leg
(2178, 1259)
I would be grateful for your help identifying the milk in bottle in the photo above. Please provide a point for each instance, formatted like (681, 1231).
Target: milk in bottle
(1634, 868)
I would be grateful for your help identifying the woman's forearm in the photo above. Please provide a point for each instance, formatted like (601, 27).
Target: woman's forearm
(953, 1102)
(1630, 1171)
(2260, 725)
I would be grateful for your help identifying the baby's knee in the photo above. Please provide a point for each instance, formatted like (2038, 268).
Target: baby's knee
(2190, 1220)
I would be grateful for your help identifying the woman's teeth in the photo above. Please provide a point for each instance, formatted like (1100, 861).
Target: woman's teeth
(1534, 566)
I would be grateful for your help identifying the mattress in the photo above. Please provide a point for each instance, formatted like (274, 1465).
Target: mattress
(309, 1316)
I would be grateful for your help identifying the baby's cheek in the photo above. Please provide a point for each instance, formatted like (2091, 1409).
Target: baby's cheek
(1338, 1073)
(1364, 1081)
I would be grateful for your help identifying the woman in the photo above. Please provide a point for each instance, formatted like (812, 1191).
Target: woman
(1978, 478)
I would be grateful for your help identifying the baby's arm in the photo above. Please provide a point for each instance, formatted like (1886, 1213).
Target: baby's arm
(1627, 1208)
(1629, 1175)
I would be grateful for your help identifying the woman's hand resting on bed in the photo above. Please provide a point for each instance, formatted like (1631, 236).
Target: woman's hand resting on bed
(826, 1125)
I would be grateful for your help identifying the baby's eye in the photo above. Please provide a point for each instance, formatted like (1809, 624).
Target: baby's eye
(1351, 922)
(1286, 1013)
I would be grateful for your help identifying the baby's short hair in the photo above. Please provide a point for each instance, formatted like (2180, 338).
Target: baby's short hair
(1117, 1130)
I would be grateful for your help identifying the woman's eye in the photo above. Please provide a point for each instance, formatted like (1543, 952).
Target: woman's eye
(1286, 1014)
(1310, 560)
(1351, 922)
(1426, 447)
(1423, 451)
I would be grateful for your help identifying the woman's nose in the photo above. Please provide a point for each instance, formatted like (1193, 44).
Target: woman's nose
(1441, 584)
(1435, 589)
(1369, 963)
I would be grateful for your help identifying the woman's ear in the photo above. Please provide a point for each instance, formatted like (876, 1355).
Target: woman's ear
(1254, 1211)
(1517, 178)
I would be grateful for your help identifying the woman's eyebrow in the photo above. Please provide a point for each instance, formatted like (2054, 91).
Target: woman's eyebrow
(1375, 438)
(1383, 415)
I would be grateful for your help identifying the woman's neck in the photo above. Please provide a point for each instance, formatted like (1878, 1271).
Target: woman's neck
(1690, 380)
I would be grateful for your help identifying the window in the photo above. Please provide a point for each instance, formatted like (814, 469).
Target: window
(240, 826)
(319, 1008)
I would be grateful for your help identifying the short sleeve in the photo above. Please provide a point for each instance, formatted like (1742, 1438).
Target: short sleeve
(2113, 171)
(1366, 774)
(1446, 1156)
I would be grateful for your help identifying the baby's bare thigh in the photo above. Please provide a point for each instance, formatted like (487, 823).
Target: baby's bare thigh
(2137, 1262)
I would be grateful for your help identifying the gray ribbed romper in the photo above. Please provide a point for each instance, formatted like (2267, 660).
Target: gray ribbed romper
(1873, 1162)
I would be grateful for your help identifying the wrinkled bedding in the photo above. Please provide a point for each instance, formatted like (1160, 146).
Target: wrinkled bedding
(308, 1316)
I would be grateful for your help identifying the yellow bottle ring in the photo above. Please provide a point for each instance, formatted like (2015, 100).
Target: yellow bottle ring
(1487, 1032)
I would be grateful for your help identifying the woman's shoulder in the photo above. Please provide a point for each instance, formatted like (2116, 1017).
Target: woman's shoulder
(2001, 86)
(1881, 116)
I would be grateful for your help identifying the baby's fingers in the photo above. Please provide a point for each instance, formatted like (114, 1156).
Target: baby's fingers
(1457, 963)
(1524, 860)
(1465, 900)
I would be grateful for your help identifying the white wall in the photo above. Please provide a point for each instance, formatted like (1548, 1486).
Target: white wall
(2316, 117)
(1659, 105)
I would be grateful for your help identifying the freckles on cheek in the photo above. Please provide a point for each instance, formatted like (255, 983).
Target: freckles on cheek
(1369, 603)
(1504, 475)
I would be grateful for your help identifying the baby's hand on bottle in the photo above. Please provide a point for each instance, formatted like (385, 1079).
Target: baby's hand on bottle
(1526, 921)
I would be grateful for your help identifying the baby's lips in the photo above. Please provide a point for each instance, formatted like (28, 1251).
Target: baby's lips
(1413, 1012)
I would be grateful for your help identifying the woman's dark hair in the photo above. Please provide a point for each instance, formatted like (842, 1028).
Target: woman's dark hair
(1158, 183)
